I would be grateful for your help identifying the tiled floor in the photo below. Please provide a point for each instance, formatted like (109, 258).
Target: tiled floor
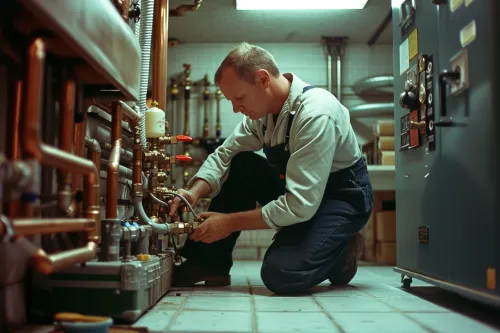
(373, 303)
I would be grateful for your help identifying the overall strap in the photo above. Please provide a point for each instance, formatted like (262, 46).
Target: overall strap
(292, 114)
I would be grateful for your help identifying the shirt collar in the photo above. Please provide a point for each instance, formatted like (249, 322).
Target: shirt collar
(295, 91)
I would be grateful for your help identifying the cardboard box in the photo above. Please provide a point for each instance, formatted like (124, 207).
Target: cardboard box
(386, 253)
(387, 158)
(385, 127)
(385, 143)
(386, 226)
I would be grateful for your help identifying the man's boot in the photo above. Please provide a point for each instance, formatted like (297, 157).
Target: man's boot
(350, 269)
(187, 275)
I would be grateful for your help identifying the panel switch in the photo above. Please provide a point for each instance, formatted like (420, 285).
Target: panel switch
(460, 64)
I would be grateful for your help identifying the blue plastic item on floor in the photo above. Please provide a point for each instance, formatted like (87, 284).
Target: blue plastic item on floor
(85, 327)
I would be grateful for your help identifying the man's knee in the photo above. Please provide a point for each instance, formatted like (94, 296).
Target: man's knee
(281, 281)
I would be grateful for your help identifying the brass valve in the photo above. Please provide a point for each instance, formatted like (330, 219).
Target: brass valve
(177, 228)
(153, 155)
(163, 193)
(420, 125)
(179, 159)
(168, 140)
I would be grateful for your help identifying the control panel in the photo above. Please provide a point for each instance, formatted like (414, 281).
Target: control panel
(417, 126)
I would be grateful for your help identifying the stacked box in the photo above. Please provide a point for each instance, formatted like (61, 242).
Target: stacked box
(386, 237)
(384, 142)
(379, 234)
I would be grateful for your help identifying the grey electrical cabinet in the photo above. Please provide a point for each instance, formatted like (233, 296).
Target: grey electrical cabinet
(446, 81)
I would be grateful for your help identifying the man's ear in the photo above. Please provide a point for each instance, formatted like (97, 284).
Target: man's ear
(263, 77)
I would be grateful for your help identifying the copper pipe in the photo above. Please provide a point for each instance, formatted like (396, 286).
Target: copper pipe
(29, 227)
(137, 165)
(65, 203)
(48, 264)
(58, 159)
(180, 10)
(114, 163)
(79, 146)
(47, 155)
(187, 97)
(13, 151)
(218, 96)
(206, 98)
(126, 155)
(160, 42)
(33, 99)
(103, 107)
(94, 151)
(129, 113)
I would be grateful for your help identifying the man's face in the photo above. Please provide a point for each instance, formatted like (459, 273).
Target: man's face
(253, 100)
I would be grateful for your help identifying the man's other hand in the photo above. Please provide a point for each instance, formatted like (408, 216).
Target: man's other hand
(177, 202)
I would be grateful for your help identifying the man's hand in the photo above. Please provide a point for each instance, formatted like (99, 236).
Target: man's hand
(215, 227)
(199, 189)
(174, 204)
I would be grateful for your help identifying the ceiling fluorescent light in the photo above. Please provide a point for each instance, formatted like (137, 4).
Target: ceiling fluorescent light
(299, 4)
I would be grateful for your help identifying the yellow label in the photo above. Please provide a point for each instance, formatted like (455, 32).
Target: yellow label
(491, 278)
(454, 4)
(413, 44)
(468, 34)
(468, 2)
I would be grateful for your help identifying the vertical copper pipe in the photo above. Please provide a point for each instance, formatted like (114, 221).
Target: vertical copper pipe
(160, 42)
(137, 165)
(33, 99)
(206, 98)
(79, 145)
(47, 155)
(13, 149)
(218, 96)
(187, 97)
(66, 144)
(114, 163)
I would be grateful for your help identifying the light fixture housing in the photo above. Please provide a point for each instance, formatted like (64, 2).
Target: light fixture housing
(299, 5)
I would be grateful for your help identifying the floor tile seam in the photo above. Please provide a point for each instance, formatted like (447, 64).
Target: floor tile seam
(252, 308)
(176, 314)
(425, 327)
(330, 317)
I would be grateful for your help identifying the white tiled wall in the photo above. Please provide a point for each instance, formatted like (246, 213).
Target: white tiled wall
(307, 60)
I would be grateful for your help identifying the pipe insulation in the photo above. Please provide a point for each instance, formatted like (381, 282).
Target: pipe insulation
(145, 33)
(374, 110)
(375, 85)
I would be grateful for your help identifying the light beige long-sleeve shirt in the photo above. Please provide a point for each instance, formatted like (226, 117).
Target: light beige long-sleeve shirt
(321, 141)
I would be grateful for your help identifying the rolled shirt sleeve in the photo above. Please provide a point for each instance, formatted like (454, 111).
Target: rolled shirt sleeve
(307, 172)
(214, 169)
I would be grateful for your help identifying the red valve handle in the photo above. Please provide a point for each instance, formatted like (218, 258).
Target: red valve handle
(184, 138)
(183, 158)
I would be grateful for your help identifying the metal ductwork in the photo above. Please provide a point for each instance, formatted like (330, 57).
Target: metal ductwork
(375, 85)
(373, 110)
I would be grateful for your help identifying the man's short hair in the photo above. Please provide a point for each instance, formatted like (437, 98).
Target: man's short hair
(246, 59)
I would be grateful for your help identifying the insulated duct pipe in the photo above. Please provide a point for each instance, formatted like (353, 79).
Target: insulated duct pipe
(375, 110)
(375, 85)
(145, 33)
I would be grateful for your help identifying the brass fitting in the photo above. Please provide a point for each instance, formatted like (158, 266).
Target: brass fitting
(178, 228)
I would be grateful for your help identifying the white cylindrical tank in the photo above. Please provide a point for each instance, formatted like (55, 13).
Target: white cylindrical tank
(155, 122)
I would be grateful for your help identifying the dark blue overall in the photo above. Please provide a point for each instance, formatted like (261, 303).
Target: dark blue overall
(304, 254)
